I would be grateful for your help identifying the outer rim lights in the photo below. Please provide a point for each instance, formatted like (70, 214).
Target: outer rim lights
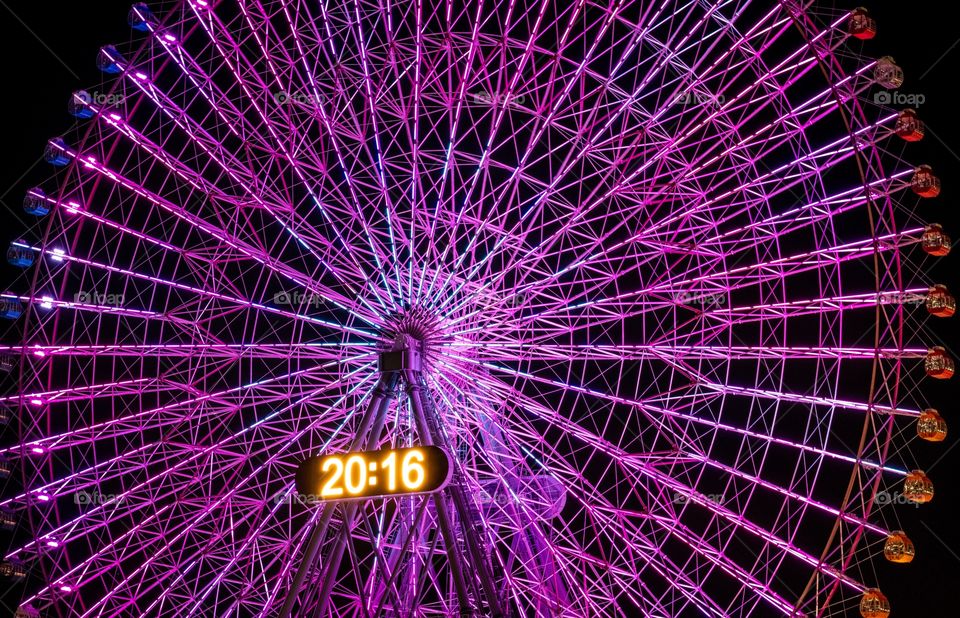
(72, 206)
(35, 202)
(141, 18)
(20, 254)
(57, 255)
(109, 60)
(37, 450)
(36, 402)
(57, 153)
(66, 588)
(52, 543)
(79, 105)
(46, 302)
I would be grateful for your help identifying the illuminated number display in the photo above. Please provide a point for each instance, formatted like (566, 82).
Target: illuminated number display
(371, 474)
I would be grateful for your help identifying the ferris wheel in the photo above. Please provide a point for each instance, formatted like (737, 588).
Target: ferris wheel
(645, 277)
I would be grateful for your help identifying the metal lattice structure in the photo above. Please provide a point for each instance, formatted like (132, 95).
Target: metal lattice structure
(660, 261)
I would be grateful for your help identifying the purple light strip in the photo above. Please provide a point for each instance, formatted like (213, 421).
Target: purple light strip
(656, 410)
(651, 471)
(325, 119)
(53, 442)
(851, 251)
(199, 183)
(227, 350)
(205, 451)
(208, 294)
(825, 93)
(525, 351)
(615, 452)
(92, 164)
(277, 143)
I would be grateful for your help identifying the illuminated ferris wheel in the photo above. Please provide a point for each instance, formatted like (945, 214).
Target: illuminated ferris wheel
(598, 309)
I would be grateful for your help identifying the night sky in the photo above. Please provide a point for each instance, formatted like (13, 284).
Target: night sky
(49, 50)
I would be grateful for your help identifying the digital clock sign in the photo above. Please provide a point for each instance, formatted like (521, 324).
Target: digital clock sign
(373, 474)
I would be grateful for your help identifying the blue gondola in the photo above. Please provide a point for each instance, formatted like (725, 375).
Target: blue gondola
(141, 18)
(35, 203)
(19, 254)
(56, 152)
(109, 60)
(10, 308)
(79, 105)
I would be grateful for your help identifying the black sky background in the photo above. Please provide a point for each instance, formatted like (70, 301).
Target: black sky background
(49, 49)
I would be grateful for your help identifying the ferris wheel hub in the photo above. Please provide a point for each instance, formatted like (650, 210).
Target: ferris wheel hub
(413, 327)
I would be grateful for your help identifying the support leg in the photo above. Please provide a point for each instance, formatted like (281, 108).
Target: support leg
(376, 409)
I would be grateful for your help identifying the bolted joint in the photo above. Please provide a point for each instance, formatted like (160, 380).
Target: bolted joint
(387, 385)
